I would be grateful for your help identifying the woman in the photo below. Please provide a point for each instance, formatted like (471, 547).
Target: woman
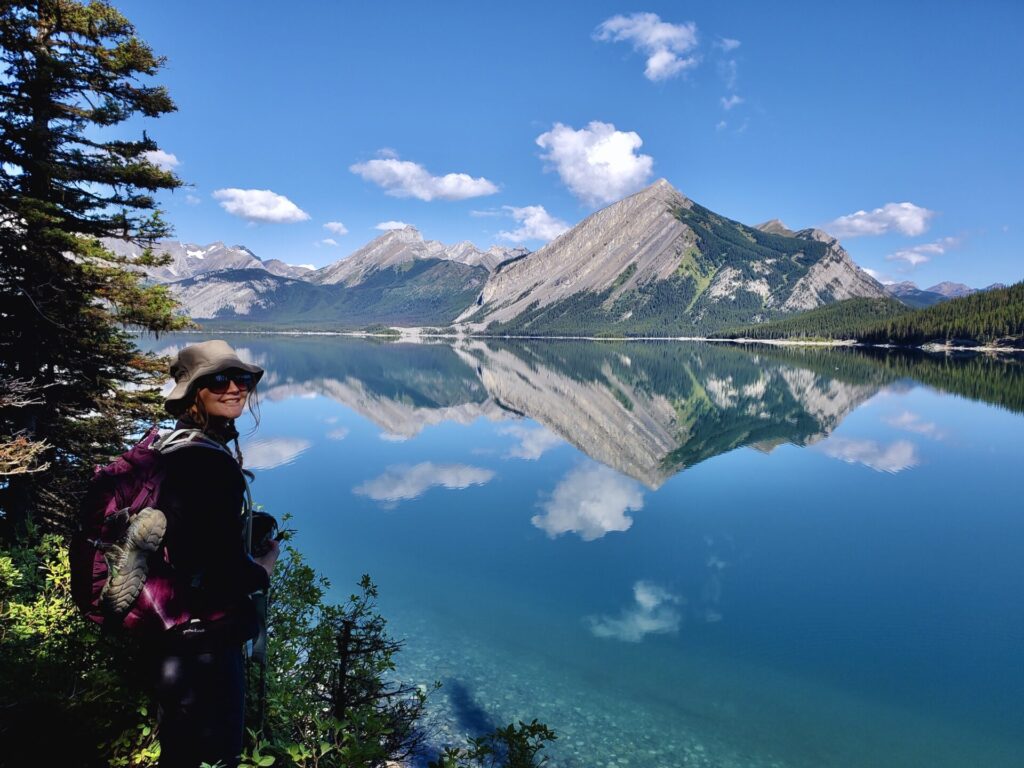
(198, 666)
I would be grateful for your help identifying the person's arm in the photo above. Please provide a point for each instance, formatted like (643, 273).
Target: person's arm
(217, 503)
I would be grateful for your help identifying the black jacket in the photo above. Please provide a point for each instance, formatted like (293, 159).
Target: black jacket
(202, 496)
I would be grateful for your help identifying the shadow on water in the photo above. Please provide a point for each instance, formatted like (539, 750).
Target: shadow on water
(469, 715)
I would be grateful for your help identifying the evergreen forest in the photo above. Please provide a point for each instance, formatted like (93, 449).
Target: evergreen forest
(994, 317)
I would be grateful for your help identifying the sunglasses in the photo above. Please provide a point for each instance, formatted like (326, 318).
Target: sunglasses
(218, 383)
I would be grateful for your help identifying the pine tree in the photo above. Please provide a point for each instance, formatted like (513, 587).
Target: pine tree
(71, 73)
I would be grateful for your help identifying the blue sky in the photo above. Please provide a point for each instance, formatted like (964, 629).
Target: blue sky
(897, 126)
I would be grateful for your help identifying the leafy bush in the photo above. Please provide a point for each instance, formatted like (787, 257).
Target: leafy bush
(330, 697)
(60, 673)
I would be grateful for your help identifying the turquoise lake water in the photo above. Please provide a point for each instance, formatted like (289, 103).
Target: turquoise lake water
(674, 554)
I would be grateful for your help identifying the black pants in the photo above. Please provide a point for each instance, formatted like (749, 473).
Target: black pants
(200, 706)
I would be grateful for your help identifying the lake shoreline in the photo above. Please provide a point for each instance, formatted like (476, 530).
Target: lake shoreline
(415, 335)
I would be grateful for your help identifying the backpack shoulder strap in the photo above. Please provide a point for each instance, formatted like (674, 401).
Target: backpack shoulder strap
(186, 438)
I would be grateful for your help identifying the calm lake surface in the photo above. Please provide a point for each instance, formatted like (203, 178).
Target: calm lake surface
(674, 554)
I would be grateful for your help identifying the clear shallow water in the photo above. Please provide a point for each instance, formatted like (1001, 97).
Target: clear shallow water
(673, 554)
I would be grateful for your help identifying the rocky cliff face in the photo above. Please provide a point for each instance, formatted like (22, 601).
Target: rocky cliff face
(222, 293)
(833, 277)
(640, 231)
(656, 262)
(391, 249)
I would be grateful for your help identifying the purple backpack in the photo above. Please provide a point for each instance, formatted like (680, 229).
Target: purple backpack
(118, 492)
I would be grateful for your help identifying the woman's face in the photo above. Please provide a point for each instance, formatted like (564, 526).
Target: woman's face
(223, 397)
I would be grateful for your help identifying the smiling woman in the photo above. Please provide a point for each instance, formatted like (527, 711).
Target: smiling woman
(197, 669)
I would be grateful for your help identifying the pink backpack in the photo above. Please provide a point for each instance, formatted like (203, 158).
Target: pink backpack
(118, 492)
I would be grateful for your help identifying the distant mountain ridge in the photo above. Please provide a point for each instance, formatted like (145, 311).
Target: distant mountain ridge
(400, 246)
(396, 278)
(190, 259)
(912, 296)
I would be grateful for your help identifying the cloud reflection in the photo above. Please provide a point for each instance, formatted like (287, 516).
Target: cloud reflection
(533, 442)
(590, 501)
(891, 458)
(402, 483)
(912, 422)
(654, 611)
(270, 452)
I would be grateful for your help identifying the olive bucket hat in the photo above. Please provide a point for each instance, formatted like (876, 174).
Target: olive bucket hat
(198, 360)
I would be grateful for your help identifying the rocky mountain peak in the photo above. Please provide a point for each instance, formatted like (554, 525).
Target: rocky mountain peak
(661, 190)
(818, 235)
(775, 227)
(951, 290)
(407, 234)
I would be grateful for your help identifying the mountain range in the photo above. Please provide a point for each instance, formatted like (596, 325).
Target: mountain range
(912, 296)
(398, 278)
(654, 263)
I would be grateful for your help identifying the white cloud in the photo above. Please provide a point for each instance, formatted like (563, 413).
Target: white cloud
(387, 226)
(654, 612)
(338, 433)
(162, 159)
(260, 205)
(919, 254)
(731, 101)
(906, 218)
(912, 422)
(665, 45)
(590, 501)
(193, 200)
(537, 224)
(402, 483)
(271, 452)
(336, 227)
(727, 44)
(891, 458)
(403, 178)
(721, 126)
(328, 241)
(391, 437)
(598, 163)
(305, 266)
(533, 442)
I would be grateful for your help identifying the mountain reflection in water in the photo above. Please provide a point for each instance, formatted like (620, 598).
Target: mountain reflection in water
(645, 409)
